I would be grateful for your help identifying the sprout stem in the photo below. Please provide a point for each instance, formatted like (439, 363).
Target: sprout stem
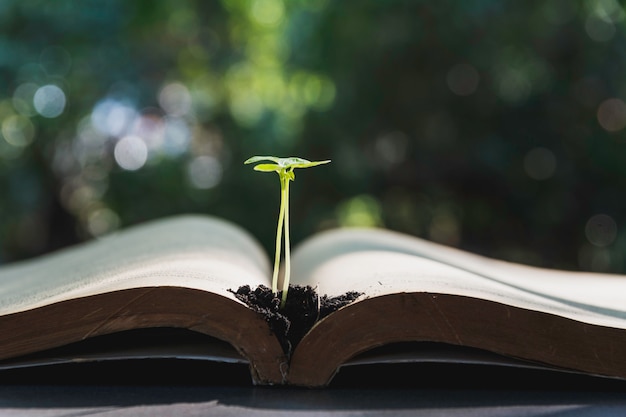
(279, 231)
(285, 199)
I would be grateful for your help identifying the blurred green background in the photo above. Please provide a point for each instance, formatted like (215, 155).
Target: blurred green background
(494, 126)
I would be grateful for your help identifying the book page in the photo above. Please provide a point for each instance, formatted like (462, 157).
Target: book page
(378, 262)
(198, 252)
(161, 343)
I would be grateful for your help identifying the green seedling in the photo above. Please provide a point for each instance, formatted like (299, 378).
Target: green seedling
(284, 168)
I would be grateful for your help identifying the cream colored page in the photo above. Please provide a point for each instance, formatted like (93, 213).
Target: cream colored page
(378, 262)
(187, 251)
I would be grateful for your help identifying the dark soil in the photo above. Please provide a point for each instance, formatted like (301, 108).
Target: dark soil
(303, 308)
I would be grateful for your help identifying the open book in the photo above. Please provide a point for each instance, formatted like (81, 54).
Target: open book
(180, 273)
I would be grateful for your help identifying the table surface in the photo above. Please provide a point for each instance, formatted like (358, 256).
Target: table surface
(175, 388)
(226, 401)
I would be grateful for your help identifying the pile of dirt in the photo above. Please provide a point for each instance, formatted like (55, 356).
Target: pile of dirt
(303, 308)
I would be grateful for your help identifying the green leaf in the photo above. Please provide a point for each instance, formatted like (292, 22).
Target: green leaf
(309, 164)
(289, 162)
(283, 166)
(292, 160)
(267, 168)
(254, 159)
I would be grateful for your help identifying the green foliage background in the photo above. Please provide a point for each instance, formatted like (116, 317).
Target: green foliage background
(494, 126)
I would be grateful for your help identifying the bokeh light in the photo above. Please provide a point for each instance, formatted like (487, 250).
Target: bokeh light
(204, 172)
(268, 13)
(102, 221)
(390, 148)
(49, 101)
(23, 99)
(18, 130)
(599, 30)
(112, 116)
(177, 137)
(601, 230)
(540, 163)
(463, 79)
(360, 211)
(131, 153)
(612, 114)
(55, 61)
(175, 99)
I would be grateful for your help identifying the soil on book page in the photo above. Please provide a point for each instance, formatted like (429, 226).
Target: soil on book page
(304, 307)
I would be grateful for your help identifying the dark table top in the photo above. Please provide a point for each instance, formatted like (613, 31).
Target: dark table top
(37, 400)
(191, 389)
